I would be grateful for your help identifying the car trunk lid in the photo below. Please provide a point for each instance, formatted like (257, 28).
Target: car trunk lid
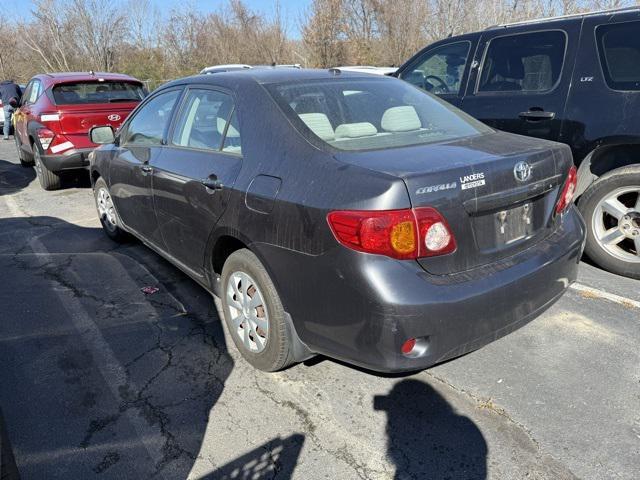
(473, 183)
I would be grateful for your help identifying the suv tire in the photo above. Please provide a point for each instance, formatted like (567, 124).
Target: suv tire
(612, 239)
(248, 293)
(48, 180)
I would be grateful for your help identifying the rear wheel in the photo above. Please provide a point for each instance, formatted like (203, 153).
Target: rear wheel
(254, 314)
(107, 212)
(611, 208)
(48, 180)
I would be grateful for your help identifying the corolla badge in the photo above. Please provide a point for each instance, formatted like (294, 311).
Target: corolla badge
(522, 171)
(114, 117)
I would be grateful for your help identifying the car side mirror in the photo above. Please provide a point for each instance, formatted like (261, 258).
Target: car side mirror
(102, 135)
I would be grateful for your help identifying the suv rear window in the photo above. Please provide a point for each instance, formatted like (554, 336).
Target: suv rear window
(367, 114)
(619, 48)
(97, 92)
(528, 63)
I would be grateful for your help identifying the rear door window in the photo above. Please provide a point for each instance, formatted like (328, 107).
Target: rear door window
(440, 70)
(148, 125)
(97, 92)
(527, 63)
(203, 119)
(619, 49)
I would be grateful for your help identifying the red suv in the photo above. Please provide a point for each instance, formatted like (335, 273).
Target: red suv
(57, 111)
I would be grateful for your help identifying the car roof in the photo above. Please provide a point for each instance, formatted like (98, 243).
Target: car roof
(573, 16)
(59, 77)
(267, 76)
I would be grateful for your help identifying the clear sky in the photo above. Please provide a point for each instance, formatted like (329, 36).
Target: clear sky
(291, 9)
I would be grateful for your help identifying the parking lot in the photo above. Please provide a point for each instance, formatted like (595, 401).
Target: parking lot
(98, 379)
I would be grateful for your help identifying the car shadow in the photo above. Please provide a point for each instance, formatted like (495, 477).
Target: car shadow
(14, 177)
(99, 379)
(426, 438)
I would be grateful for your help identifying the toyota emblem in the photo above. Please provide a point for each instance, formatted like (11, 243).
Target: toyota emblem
(522, 171)
(114, 117)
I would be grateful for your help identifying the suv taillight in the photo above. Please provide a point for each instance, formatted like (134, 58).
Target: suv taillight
(568, 191)
(46, 137)
(402, 234)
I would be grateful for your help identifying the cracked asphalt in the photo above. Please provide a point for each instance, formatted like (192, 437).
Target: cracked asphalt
(98, 380)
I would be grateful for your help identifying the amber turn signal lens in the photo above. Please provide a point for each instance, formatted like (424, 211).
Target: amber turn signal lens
(403, 237)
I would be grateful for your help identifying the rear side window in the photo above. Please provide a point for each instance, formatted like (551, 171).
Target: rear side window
(97, 92)
(148, 125)
(440, 70)
(203, 120)
(528, 63)
(619, 48)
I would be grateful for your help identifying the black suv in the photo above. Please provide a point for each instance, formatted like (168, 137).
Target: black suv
(572, 79)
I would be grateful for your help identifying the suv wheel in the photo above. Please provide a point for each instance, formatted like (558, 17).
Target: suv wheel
(254, 314)
(611, 208)
(107, 212)
(48, 180)
(23, 161)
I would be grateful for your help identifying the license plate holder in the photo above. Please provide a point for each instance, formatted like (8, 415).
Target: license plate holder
(514, 224)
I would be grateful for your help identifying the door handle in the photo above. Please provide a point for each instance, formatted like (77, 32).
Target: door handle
(212, 182)
(537, 115)
(146, 169)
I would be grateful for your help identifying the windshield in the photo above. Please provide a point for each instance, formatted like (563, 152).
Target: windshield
(97, 92)
(366, 114)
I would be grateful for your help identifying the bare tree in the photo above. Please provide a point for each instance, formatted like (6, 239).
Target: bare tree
(323, 33)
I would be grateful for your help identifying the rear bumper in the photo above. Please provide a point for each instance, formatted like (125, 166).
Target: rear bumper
(69, 160)
(361, 308)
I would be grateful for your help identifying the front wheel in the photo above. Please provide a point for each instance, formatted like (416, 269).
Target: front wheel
(254, 314)
(107, 212)
(611, 208)
(23, 161)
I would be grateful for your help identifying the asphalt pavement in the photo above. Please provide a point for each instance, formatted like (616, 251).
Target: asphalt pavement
(99, 380)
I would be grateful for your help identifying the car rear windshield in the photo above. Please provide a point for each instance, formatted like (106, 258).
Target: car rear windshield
(97, 92)
(368, 114)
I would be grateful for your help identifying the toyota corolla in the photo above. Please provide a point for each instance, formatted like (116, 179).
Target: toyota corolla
(342, 214)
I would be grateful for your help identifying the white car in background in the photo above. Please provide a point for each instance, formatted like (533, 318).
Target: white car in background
(369, 69)
(240, 66)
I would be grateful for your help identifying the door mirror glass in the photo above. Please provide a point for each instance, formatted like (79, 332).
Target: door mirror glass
(102, 135)
(528, 63)
(440, 70)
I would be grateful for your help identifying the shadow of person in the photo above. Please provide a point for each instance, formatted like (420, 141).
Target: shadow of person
(14, 177)
(99, 379)
(275, 459)
(426, 439)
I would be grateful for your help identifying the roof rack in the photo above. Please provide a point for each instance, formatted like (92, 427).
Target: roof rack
(561, 17)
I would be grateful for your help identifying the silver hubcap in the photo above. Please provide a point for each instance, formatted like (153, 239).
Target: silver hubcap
(616, 224)
(105, 208)
(248, 312)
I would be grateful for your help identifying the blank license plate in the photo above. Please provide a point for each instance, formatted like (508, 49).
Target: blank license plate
(514, 224)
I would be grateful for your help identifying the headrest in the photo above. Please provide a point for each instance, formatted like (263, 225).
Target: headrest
(355, 130)
(319, 124)
(401, 119)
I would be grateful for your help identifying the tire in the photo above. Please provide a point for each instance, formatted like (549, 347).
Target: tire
(48, 180)
(109, 218)
(611, 209)
(21, 157)
(244, 270)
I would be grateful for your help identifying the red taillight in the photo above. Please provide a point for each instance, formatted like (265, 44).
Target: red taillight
(46, 137)
(408, 346)
(402, 234)
(568, 191)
